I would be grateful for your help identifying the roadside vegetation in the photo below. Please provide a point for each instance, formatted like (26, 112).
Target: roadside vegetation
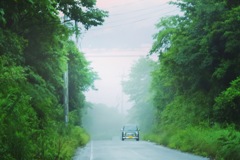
(195, 83)
(34, 52)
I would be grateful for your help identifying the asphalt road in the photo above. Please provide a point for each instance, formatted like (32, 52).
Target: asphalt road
(130, 150)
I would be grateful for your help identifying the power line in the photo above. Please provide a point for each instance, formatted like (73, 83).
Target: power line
(132, 22)
(143, 14)
(129, 3)
(134, 19)
(113, 56)
(142, 9)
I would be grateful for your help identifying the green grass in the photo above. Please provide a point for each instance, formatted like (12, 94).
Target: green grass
(77, 137)
(215, 142)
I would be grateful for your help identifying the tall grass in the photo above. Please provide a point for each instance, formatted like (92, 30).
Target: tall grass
(215, 142)
(72, 139)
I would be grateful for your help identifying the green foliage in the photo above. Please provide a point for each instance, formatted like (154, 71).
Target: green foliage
(137, 87)
(227, 103)
(64, 143)
(196, 140)
(82, 11)
(75, 137)
(196, 81)
(230, 146)
(81, 76)
(34, 52)
(214, 142)
(186, 110)
(17, 128)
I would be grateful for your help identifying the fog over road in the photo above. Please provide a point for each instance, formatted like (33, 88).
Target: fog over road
(130, 150)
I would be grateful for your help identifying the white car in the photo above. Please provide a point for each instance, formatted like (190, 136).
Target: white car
(130, 132)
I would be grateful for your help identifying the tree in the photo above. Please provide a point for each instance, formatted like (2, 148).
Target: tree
(198, 59)
(34, 50)
(83, 11)
(138, 89)
(102, 122)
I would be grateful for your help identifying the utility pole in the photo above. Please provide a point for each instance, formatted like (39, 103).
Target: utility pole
(66, 82)
(122, 96)
(122, 107)
(65, 89)
(66, 95)
(66, 76)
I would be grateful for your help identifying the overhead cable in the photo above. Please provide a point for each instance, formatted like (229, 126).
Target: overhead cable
(139, 15)
(132, 22)
(137, 10)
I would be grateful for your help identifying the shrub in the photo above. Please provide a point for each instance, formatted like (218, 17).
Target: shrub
(229, 146)
(215, 142)
(73, 138)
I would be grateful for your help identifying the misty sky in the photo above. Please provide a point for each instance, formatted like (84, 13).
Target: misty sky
(119, 42)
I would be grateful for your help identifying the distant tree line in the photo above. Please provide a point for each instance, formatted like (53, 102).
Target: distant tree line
(103, 122)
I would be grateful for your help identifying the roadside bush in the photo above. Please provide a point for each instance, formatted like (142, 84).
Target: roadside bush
(227, 104)
(229, 146)
(215, 142)
(60, 142)
(198, 140)
(75, 138)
